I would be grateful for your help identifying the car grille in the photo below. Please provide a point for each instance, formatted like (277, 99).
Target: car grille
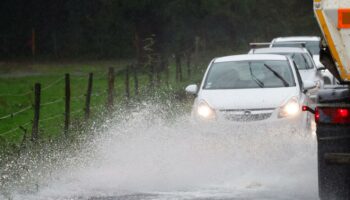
(243, 116)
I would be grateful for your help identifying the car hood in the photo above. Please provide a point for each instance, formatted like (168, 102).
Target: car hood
(247, 98)
(307, 75)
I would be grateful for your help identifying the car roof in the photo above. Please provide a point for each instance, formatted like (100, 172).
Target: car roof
(244, 57)
(297, 39)
(280, 50)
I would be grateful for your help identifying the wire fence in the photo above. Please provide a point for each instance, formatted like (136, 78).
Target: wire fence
(67, 100)
(49, 86)
(31, 92)
(128, 75)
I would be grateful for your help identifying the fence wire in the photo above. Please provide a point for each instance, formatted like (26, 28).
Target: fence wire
(53, 83)
(52, 117)
(52, 102)
(16, 95)
(27, 93)
(49, 103)
(30, 92)
(15, 113)
(14, 129)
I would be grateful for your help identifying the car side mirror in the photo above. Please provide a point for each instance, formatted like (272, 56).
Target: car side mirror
(320, 68)
(308, 85)
(192, 89)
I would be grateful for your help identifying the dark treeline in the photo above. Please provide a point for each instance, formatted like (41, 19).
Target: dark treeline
(124, 28)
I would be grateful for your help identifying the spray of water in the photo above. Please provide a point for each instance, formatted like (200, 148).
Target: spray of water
(151, 154)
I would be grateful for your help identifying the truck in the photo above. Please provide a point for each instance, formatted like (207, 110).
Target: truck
(332, 111)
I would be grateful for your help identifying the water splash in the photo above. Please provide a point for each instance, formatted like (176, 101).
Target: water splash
(149, 154)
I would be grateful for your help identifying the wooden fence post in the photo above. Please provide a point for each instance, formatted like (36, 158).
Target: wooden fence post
(136, 81)
(67, 104)
(35, 128)
(127, 82)
(88, 97)
(110, 97)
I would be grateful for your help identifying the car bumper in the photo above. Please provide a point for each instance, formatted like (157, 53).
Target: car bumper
(296, 124)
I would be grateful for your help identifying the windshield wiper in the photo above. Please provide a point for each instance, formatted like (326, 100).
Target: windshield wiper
(285, 83)
(259, 82)
(306, 64)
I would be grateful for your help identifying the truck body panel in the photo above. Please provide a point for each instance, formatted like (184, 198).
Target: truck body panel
(333, 17)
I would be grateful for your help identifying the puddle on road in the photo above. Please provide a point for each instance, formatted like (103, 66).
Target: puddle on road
(146, 157)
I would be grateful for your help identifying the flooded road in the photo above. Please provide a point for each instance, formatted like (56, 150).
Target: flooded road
(148, 156)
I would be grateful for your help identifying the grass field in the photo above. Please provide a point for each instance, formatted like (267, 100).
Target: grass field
(16, 94)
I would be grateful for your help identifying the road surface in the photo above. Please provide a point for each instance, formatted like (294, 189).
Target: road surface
(148, 157)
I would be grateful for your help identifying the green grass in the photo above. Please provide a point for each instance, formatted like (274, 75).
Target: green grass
(17, 79)
(20, 80)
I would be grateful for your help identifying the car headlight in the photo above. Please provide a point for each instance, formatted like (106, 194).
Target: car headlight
(204, 111)
(290, 109)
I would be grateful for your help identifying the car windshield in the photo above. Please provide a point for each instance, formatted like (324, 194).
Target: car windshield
(302, 60)
(312, 46)
(249, 74)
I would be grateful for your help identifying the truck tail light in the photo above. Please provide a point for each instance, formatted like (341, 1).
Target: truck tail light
(332, 115)
(344, 18)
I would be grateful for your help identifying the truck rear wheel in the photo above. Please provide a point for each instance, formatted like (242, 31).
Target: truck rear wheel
(333, 175)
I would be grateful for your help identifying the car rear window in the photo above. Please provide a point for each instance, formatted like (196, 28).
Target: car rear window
(302, 60)
(312, 46)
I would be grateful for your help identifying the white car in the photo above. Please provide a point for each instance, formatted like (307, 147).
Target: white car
(303, 60)
(312, 43)
(252, 87)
